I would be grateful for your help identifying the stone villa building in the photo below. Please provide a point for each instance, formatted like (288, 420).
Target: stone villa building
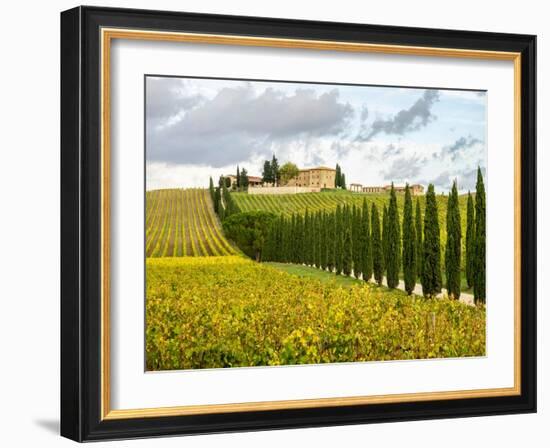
(416, 189)
(311, 180)
(319, 177)
(253, 181)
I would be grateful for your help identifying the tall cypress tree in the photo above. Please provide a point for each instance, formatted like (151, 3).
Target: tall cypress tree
(238, 182)
(300, 240)
(454, 245)
(323, 249)
(292, 238)
(318, 239)
(418, 232)
(384, 231)
(275, 170)
(287, 242)
(337, 177)
(431, 258)
(217, 200)
(357, 242)
(211, 189)
(366, 243)
(331, 241)
(346, 251)
(393, 262)
(409, 243)
(479, 257)
(377, 265)
(313, 239)
(343, 181)
(470, 241)
(306, 241)
(339, 242)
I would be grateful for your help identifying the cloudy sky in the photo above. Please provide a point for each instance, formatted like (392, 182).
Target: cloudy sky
(197, 128)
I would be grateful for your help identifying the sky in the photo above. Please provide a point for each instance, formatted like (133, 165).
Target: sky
(197, 128)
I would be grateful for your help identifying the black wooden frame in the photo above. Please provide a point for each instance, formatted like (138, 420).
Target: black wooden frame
(80, 223)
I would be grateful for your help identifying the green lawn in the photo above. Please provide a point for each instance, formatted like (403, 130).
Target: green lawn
(318, 274)
(325, 276)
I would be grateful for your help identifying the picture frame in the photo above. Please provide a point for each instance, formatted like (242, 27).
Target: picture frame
(86, 212)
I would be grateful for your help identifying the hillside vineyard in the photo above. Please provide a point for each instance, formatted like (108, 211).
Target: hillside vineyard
(182, 223)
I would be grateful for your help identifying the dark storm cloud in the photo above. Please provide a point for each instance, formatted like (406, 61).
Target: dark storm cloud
(404, 168)
(414, 118)
(238, 123)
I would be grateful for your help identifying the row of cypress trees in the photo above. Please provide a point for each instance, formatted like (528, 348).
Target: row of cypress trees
(224, 204)
(352, 239)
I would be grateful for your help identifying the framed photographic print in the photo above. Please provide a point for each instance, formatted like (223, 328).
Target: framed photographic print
(273, 223)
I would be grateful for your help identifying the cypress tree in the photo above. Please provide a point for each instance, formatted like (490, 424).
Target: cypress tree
(366, 243)
(384, 236)
(317, 240)
(347, 251)
(286, 239)
(431, 258)
(418, 232)
(357, 242)
(306, 241)
(393, 261)
(324, 240)
(409, 244)
(300, 240)
(377, 265)
(347, 226)
(238, 178)
(275, 170)
(331, 241)
(339, 242)
(211, 189)
(453, 245)
(337, 177)
(291, 239)
(267, 175)
(280, 239)
(470, 241)
(312, 239)
(479, 256)
(343, 181)
(217, 200)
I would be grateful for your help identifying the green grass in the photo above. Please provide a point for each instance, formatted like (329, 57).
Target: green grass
(342, 280)
(317, 274)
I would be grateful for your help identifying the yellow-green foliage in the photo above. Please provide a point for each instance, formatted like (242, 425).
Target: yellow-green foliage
(183, 223)
(210, 312)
